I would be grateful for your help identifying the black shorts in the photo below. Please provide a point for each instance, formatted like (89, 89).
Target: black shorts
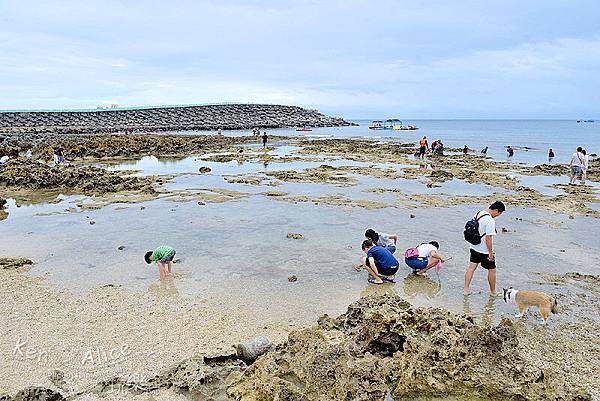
(385, 271)
(478, 257)
(422, 150)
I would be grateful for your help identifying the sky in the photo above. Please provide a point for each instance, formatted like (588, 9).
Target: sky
(351, 58)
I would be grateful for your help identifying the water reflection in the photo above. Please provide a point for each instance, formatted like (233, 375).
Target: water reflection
(415, 284)
(164, 289)
(487, 315)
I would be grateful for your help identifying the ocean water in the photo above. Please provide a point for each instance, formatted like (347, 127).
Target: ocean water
(563, 136)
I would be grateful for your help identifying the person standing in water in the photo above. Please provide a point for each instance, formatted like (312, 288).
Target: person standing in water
(510, 151)
(265, 137)
(550, 155)
(482, 251)
(423, 147)
(576, 165)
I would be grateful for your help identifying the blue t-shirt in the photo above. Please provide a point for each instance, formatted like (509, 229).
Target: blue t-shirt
(383, 258)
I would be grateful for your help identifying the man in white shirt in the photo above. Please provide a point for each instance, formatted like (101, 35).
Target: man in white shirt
(576, 165)
(483, 253)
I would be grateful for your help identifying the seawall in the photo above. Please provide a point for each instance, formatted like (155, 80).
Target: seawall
(169, 118)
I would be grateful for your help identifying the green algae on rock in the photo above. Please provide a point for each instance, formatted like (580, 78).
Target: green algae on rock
(90, 180)
(14, 263)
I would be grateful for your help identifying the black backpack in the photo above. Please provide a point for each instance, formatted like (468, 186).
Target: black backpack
(472, 230)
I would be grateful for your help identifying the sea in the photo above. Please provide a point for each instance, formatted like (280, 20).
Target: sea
(531, 139)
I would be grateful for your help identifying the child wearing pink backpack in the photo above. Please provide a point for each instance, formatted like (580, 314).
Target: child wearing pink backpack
(423, 257)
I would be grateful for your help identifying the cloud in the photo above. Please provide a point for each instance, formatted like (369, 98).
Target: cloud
(355, 58)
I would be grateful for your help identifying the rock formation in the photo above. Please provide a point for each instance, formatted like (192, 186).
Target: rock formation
(383, 346)
(171, 118)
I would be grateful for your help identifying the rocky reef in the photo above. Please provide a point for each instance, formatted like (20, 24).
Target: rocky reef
(172, 118)
(384, 347)
(27, 174)
(3, 213)
(110, 146)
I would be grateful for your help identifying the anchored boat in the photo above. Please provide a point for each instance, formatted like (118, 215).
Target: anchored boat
(393, 124)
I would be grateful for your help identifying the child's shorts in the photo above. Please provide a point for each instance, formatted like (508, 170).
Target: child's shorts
(169, 257)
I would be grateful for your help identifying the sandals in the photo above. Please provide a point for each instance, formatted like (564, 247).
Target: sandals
(372, 281)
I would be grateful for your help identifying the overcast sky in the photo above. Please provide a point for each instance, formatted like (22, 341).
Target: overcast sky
(356, 59)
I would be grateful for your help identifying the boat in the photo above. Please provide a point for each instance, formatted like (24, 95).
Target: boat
(377, 124)
(303, 129)
(393, 124)
(396, 125)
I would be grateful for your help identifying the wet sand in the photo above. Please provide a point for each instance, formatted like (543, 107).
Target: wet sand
(230, 225)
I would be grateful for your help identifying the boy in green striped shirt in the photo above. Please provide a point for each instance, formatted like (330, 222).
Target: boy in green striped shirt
(163, 255)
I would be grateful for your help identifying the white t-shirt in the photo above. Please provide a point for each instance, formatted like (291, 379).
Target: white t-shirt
(487, 226)
(384, 240)
(577, 159)
(425, 250)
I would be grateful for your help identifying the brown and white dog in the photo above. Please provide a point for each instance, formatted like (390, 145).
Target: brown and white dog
(525, 298)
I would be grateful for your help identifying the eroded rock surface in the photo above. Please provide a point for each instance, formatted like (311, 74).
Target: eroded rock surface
(3, 213)
(14, 263)
(90, 180)
(383, 346)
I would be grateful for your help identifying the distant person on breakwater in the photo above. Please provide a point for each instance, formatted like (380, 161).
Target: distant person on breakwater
(423, 147)
(265, 137)
(576, 165)
(510, 151)
(484, 151)
(465, 150)
(423, 257)
(59, 158)
(163, 255)
(550, 155)
(387, 241)
(379, 263)
(480, 232)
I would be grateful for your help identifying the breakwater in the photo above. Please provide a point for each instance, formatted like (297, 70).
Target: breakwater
(169, 118)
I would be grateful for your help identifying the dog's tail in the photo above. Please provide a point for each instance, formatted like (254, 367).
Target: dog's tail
(554, 307)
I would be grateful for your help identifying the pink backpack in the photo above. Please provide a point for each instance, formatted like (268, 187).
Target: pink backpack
(411, 253)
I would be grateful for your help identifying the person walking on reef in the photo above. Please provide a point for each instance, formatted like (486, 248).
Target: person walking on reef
(576, 165)
(484, 151)
(422, 147)
(265, 137)
(479, 232)
(584, 167)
